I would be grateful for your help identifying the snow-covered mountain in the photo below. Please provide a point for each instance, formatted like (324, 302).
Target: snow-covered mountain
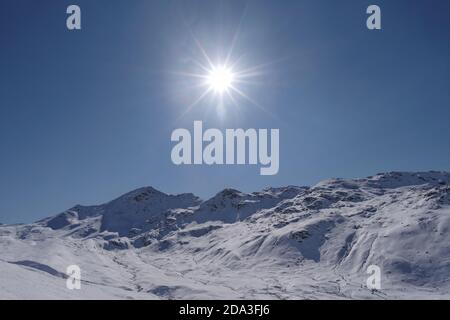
(280, 243)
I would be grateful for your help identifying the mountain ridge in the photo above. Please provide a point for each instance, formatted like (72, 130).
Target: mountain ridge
(283, 243)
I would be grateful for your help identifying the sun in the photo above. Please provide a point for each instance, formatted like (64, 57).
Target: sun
(220, 79)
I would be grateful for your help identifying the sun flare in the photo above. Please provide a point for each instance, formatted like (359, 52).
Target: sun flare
(220, 79)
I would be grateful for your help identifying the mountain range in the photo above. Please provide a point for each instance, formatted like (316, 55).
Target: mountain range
(279, 243)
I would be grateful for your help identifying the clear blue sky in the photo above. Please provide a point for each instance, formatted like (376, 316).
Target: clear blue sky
(86, 116)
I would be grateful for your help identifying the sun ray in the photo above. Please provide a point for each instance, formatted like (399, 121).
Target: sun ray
(236, 35)
(199, 45)
(193, 104)
(188, 74)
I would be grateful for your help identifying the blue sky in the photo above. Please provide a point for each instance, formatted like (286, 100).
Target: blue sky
(86, 116)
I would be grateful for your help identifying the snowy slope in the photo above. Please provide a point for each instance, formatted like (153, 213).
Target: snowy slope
(280, 243)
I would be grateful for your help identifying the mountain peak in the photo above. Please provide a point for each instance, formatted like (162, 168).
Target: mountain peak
(229, 193)
(389, 180)
(142, 194)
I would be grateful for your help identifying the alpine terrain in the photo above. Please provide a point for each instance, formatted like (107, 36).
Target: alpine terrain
(279, 243)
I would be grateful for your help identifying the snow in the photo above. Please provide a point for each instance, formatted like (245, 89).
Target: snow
(280, 243)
